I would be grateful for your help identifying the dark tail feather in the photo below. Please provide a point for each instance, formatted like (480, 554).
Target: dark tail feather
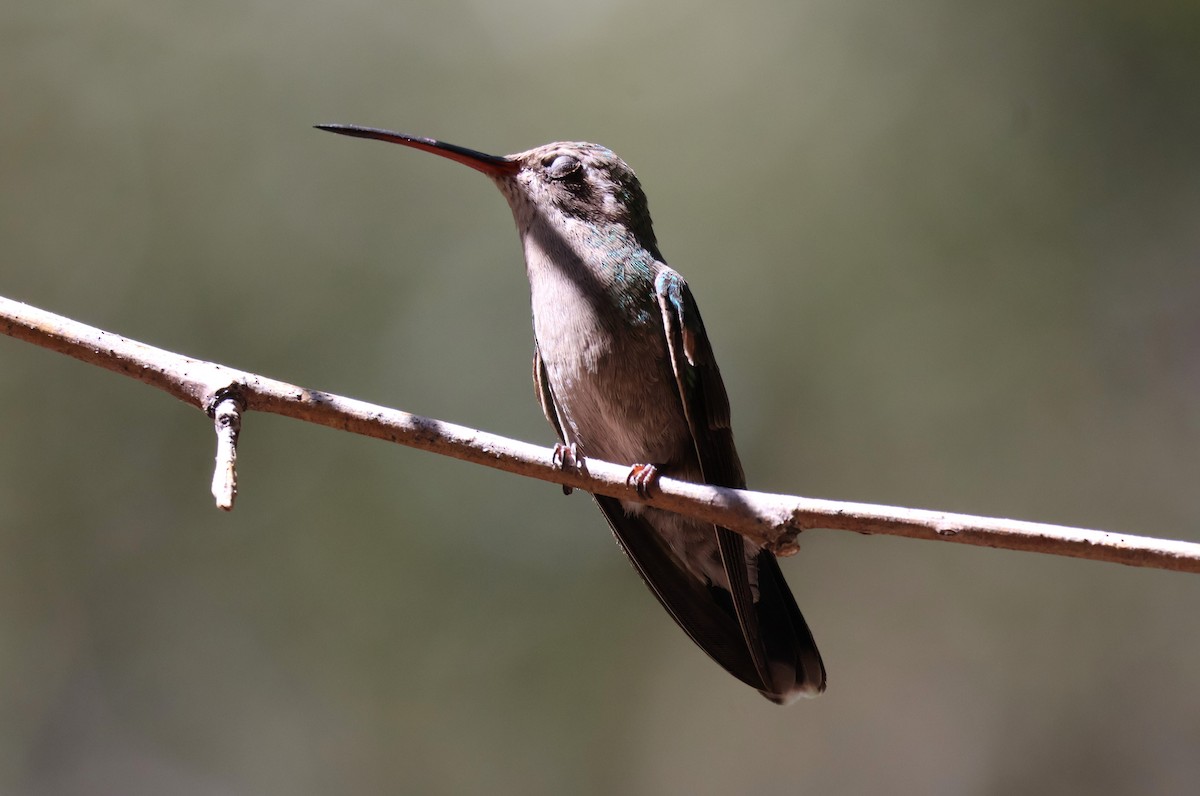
(707, 614)
(796, 666)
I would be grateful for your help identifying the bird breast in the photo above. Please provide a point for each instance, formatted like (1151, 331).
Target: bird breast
(606, 359)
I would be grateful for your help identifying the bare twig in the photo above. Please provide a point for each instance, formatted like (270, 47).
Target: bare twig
(769, 519)
(227, 421)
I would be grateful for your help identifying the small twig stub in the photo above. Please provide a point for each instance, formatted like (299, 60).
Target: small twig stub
(227, 422)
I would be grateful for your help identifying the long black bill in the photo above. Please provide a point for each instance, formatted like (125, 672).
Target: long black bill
(491, 165)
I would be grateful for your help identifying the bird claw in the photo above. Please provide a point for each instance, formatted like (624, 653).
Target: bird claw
(566, 457)
(642, 477)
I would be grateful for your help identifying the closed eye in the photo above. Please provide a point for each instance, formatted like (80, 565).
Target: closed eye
(562, 167)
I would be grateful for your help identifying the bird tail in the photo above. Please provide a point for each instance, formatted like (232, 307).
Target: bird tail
(769, 646)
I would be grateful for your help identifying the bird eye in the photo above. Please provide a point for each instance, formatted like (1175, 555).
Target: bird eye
(562, 166)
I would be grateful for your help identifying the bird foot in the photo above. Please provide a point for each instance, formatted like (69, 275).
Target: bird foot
(566, 457)
(642, 477)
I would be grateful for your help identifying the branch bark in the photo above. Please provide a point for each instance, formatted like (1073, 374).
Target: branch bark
(768, 519)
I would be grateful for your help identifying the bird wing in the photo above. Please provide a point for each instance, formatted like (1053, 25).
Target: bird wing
(701, 390)
(775, 634)
(706, 407)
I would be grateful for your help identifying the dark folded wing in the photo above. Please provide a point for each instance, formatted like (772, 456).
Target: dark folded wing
(775, 635)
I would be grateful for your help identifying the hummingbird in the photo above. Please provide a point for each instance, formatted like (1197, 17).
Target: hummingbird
(624, 372)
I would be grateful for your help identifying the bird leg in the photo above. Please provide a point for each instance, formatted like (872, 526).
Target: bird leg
(566, 457)
(643, 477)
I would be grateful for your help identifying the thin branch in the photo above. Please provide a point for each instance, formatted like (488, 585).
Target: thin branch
(769, 519)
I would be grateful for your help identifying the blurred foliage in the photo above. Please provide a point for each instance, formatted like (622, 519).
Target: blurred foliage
(948, 254)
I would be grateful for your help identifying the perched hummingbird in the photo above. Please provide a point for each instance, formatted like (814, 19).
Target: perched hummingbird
(624, 372)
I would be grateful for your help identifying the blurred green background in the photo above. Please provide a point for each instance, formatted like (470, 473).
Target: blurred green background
(949, 257)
